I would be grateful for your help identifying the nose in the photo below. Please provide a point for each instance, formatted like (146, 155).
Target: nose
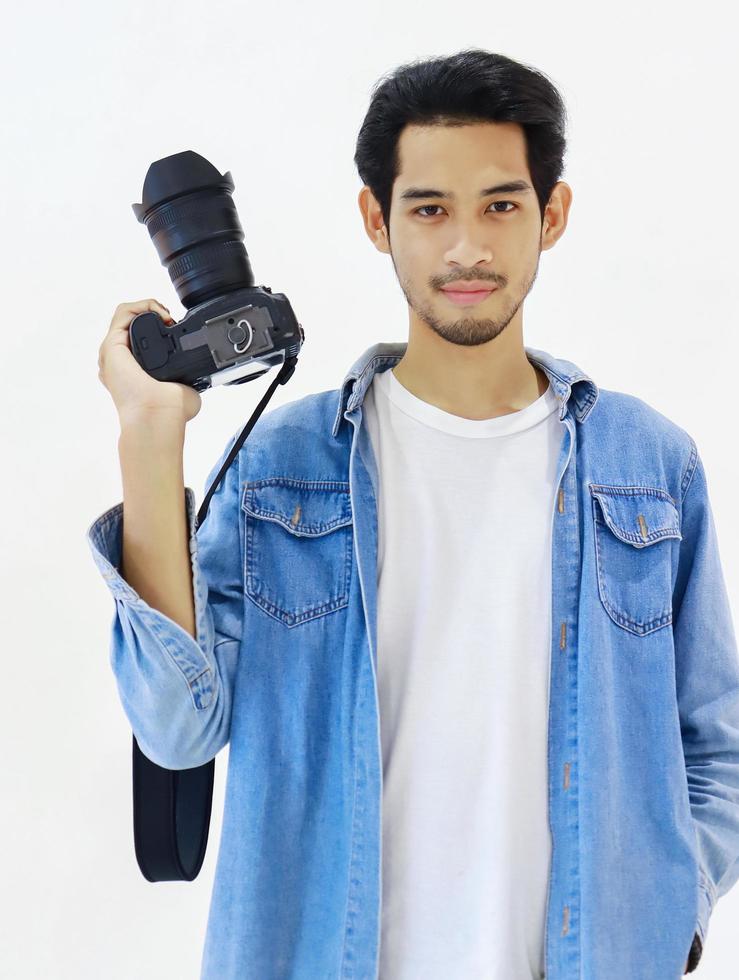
(469, 252)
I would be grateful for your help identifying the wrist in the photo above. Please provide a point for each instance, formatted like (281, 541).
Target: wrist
(153, 424)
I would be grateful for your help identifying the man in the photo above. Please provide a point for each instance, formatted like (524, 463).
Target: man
(462, 621)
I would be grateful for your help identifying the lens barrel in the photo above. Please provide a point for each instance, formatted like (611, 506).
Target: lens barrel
(188, 210)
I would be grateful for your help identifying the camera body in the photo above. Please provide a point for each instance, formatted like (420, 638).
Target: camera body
(229, 339)
(234, 330)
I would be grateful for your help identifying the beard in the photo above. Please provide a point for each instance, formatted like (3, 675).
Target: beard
(469, 331)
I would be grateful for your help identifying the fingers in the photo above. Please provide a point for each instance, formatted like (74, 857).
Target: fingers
(123, 316)
(125, 312)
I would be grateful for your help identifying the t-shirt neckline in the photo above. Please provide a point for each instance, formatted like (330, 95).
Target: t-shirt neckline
(436, 418)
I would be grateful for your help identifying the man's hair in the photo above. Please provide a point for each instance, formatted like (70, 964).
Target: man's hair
(471, 86)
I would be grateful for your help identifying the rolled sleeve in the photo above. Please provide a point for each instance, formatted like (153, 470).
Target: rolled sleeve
(176, 689)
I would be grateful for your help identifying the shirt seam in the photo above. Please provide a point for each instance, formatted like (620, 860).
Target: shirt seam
(689, 470)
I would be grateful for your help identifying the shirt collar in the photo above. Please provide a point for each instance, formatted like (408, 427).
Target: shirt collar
(568, 381)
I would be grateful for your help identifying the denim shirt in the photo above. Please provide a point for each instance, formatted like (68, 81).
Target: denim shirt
(643, 744)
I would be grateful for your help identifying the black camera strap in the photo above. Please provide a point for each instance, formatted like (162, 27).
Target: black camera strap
(171, 807)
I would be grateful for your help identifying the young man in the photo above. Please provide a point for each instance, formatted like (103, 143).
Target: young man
(461, 621)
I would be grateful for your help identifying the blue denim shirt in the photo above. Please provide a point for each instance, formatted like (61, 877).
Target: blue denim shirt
(644, 689)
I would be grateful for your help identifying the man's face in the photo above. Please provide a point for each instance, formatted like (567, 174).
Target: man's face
(436, 240)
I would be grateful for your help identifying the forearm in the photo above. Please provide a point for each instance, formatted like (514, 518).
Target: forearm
(155, 558)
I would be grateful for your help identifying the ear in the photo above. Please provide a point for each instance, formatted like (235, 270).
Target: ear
(374, 223)
(556, 214)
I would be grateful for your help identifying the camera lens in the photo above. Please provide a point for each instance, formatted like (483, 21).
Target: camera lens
(188, 210)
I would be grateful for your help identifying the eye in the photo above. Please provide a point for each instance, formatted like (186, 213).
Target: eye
(424, 206)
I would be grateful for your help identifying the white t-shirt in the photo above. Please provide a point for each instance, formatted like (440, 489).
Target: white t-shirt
(465, 511)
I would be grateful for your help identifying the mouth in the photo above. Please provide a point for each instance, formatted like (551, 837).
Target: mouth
(468, 297)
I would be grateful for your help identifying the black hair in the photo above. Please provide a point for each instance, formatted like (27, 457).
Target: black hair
(471, 86)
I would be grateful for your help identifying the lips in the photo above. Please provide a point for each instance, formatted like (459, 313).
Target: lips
(466, 286)
(468, 297)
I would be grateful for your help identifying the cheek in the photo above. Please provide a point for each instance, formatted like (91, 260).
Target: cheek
(424, 260)
(412, 249)
(412, 262)
(521, 254)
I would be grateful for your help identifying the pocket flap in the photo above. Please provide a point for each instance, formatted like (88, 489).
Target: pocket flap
(303, 507)
(638, 515)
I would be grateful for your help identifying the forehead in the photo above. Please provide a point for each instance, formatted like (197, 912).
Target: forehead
(437, 154)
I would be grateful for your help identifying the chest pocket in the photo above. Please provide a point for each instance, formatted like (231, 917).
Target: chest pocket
(635, 529)
(298, 547)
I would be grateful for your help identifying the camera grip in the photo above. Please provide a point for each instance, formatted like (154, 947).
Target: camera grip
(150, 343)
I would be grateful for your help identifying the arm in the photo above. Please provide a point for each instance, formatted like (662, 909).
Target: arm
(175, 685)
(156, 557)
(707, 683)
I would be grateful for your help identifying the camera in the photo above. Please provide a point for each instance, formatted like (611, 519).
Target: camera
(233, 331)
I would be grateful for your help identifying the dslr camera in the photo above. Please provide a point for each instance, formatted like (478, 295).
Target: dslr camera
(233, 331)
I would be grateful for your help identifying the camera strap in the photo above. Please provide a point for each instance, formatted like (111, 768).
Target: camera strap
(171, 807)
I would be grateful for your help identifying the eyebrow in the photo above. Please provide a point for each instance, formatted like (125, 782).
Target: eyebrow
(512, 187)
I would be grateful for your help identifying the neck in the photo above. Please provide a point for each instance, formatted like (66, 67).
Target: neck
(492, 379)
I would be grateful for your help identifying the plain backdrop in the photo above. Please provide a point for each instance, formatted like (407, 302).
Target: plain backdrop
(640, 292)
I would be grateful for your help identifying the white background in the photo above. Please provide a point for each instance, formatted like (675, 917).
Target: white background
(640, 292)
